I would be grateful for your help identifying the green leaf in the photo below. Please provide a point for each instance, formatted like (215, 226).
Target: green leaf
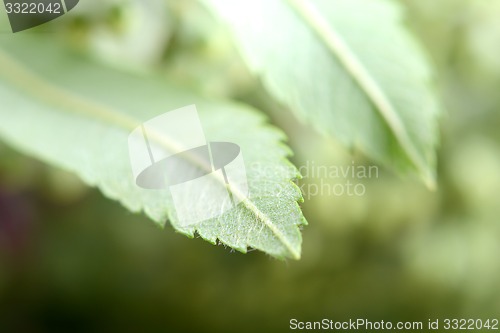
(346, 66)
(77, 115)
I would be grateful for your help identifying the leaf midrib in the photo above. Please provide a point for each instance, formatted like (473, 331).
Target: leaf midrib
(334, 42)
(48, 93)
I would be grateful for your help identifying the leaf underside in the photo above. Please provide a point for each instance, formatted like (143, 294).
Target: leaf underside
(77, 115)
(348, 67)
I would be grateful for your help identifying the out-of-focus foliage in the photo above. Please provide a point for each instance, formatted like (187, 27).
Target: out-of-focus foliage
(74, 261)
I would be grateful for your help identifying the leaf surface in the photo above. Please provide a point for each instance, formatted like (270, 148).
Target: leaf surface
(348, 67)
(77, 115)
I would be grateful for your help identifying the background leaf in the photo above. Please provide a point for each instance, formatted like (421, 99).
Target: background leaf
(77, 115)
(348, 67)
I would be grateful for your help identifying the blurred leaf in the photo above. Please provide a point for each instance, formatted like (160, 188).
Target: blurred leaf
(346, 66)
(77, 115)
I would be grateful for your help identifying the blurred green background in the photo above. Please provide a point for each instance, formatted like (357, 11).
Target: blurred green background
(73, 261)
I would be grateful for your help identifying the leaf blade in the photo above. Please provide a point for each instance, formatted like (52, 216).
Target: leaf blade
(80, 112)
(338, 83)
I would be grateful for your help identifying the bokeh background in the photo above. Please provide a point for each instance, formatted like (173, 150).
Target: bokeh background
(73, 261)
